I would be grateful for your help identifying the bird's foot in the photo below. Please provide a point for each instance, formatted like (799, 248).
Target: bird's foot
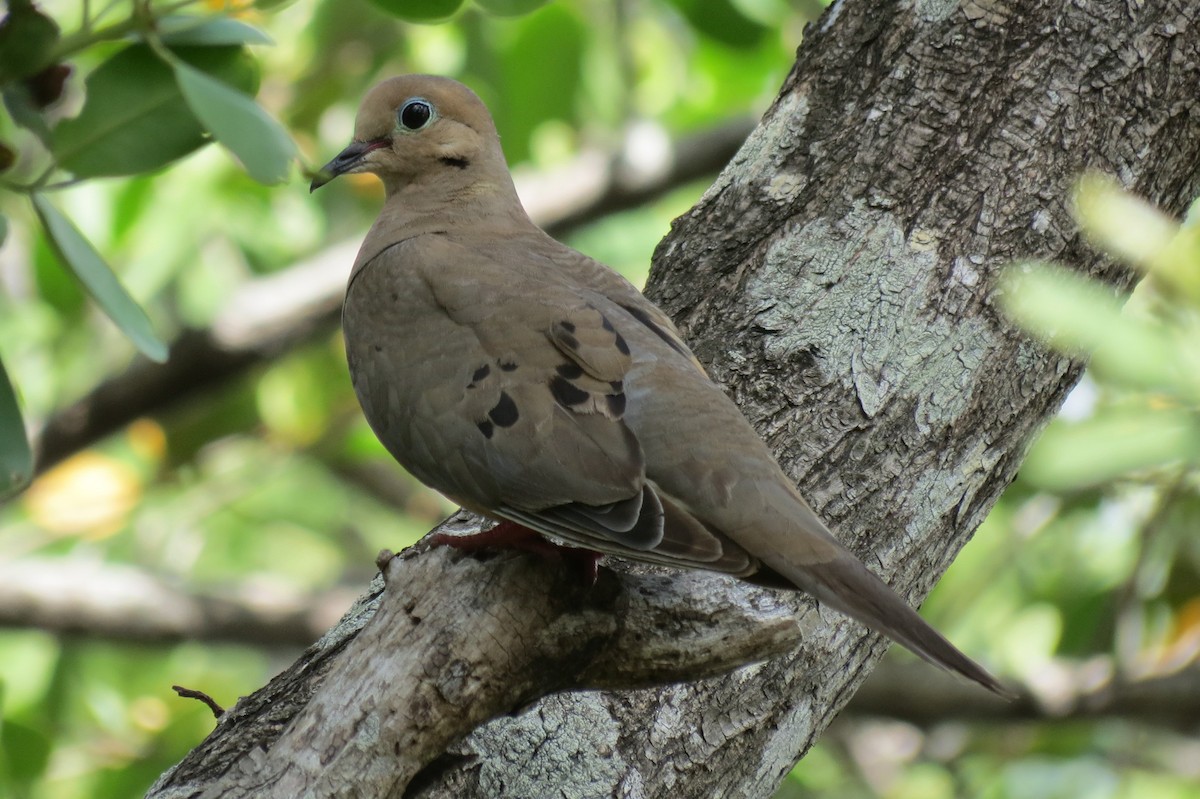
(510, 535)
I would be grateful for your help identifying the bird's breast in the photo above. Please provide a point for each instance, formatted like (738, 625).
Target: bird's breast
(403, 354)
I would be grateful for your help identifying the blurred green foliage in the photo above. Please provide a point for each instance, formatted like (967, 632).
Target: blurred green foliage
(1145, 351)
(272, 484)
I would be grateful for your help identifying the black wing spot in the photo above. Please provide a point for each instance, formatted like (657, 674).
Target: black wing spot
(505, 413)
(607, 325)
(565, 393)
(569, 341)
(622, 345)
(616, 404)
(617, 386)
(486, 428)
(456, 162)
(567, 326)
(570, 371)
(641, 316)
(508, 366)
(481, 373)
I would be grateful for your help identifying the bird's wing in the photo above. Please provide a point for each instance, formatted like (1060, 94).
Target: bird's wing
(534, 430)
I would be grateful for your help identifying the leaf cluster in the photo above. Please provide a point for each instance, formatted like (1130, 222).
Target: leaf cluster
(173, 84)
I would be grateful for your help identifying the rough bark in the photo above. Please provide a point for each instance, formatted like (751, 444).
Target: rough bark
(839, 278)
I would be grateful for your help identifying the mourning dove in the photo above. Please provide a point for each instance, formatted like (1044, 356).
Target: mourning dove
(534, 385)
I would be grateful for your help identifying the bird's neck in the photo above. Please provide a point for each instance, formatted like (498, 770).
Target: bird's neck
(471, 207)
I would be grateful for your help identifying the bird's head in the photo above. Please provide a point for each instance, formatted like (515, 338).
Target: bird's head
(417, 127)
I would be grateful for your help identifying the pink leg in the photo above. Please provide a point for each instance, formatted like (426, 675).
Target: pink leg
(510, 535)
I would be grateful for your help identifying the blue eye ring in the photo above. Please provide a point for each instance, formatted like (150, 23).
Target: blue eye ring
(415, 114)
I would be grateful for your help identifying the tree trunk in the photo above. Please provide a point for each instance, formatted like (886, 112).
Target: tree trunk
(839, 279)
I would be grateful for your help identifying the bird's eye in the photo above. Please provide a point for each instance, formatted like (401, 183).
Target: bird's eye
(415, 114)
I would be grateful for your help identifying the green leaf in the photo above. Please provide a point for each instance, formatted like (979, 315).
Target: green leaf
(1122, 224)
(19, 102)
(1111, 444)
(723, 21)
(3, 229)
(1140, 234)
(135, 119)
(56, 286)
(1084, 317)
(27, 39)
(420, 10)
(510, 8)
(26, 750)
(78, 255)
(538, 90)
(16, 459)
(208, 32)
(239, 123)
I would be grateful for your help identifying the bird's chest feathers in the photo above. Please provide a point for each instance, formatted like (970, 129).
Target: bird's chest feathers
(430, 356)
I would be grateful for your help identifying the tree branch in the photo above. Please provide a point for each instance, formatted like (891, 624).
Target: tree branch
(1089, 690)
(80, 597)
(122, 603)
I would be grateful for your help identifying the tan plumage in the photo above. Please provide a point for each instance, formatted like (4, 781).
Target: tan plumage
(530, 383)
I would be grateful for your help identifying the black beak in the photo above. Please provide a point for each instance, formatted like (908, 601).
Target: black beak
(346, 160)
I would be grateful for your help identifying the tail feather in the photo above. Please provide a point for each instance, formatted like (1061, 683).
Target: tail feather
(845, 584)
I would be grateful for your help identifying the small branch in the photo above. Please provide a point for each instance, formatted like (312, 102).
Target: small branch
(267, 317)
(191, 693)
(87, 35)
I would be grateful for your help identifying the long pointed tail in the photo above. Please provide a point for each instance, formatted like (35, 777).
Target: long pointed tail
(845, 584)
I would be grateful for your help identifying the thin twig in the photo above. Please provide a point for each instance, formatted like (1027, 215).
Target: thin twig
(192, 693)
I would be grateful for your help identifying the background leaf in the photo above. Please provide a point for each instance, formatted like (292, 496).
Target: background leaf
(545, 89)
(1125, 226)
(135, 119)
(239, 123)
(420, 10)
(723, 21)
(78, 255)
(18, 100)
(1094, 451)
(1084, 317)
(16, 459)
(510, 8)
(209, 32)
(27, 38)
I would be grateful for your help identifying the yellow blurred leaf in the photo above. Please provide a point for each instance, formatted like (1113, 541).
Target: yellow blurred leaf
(149, 713)
(88, 495)
(1183, 645)
(148, 440)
